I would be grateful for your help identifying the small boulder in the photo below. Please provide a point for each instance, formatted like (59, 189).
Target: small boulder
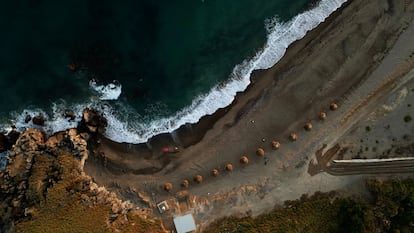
(27, 118)
(92, 122)
(70, 115)
(38, 120)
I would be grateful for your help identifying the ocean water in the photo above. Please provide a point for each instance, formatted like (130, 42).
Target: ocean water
(172, 61)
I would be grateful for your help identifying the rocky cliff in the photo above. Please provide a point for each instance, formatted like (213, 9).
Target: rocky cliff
(45, 189)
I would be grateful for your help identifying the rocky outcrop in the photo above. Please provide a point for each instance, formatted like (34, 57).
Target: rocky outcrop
(38, 120)
(92, 122)
(40, 170)
(7, 141)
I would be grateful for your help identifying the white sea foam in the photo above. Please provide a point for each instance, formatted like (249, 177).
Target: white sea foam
(130, 128)
(54, 122)
(280, 36)
(110, 91)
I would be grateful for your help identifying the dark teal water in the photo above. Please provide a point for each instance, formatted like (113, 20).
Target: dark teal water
(164, 53)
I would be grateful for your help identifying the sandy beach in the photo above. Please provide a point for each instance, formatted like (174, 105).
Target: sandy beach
(360, 58)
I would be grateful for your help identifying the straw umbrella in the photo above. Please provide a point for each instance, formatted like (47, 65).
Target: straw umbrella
(322, 115)
(276, 145)
(260, 152)
(185, 183)
(215, 172)
(244, 159)
(293, 137)
(229, 167)
(198, 179)
(333, 106)
(308, 126)
(168, 187)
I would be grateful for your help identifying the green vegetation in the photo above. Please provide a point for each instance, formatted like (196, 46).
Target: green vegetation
(407, 119)
(368, 128)
(391, 210)
(63, 209)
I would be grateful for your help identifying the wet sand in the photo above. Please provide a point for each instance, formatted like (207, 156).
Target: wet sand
(349, 60)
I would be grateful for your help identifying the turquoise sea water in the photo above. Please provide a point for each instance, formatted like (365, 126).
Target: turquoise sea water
(165, 54)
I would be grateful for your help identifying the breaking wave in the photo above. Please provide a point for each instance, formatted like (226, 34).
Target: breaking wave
(127, 126)
(280, 36)
(110, 91)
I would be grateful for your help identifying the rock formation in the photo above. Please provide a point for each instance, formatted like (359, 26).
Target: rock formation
(44, 175)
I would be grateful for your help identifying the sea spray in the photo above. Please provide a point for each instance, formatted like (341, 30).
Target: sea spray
(111, 91)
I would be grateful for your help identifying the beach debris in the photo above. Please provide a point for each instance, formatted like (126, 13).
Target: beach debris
(322, 115)
(229, 167)
(185, 183)
(38, 120)
(276, 145)
(198, 179)
(293, 137)
(168, 187)
(308, 126)
(333, 106)
(244, 159)
(263, 139)
(215, 172)
(260, 152)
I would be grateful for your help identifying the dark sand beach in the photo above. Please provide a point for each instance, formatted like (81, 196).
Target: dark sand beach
(349, 60)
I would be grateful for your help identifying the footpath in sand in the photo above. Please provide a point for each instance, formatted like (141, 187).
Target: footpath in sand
(360, 58)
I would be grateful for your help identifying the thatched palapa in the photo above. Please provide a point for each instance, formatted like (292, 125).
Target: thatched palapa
(293, 137)
(215, 172)
(229, 167)
(276, 145)
(198, 179)
(260, 152)
(168, 186)
(308, 126)
(322, 115)
(244, 160)
(185, 183)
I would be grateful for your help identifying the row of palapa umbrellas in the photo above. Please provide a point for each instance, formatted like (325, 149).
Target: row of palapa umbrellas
(244, 159)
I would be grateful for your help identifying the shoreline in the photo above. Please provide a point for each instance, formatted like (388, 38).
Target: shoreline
(191, 133)
(342, 61)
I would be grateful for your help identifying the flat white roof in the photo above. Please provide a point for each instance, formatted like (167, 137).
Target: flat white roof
(185, 223)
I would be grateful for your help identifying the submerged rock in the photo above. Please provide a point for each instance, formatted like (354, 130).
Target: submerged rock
(27, 118)
(38, 120)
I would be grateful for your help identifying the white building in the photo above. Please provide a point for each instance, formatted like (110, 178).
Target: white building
(185, 223)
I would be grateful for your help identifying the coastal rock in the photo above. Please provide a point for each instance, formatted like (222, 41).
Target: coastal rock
(28, 118)
(92, 122)
(70, 115)
(4, 142)
(38, 120)
(39, 167)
